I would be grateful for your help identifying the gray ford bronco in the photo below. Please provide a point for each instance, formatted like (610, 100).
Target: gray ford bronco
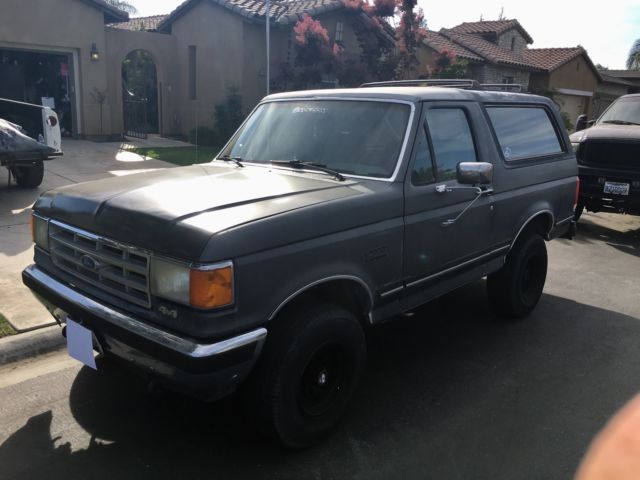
(327, 213)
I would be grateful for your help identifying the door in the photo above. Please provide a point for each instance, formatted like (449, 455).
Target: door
(434, 247)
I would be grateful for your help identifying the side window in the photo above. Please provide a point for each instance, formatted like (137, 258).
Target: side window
(524, 132)
(451, 139)
(422, 166)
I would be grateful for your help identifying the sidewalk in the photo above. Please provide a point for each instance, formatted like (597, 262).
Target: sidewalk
(82, 161)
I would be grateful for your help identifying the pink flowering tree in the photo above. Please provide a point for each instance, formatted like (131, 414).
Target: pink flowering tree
(447, 65)
(387, 51)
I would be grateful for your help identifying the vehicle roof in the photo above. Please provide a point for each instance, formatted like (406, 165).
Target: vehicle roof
(414, 94)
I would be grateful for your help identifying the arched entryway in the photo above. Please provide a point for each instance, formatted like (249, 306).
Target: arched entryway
(140, 94)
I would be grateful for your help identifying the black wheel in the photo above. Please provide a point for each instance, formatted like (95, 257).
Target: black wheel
(514, 290)
(307, 373)
(578, 212)
(28, 177)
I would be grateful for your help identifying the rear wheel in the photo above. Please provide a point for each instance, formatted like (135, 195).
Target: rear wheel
(307, 374)
(514, 290)
(28, 176)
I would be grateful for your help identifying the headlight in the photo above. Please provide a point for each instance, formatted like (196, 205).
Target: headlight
(575, 146)
(40, 231)
(208, 286)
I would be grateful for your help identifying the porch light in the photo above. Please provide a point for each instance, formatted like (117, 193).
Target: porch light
(94, 54)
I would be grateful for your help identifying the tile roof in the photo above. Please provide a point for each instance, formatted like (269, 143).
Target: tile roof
(551, 58)
(114, 14)
(495, 27)
(440, 43)
(282, 12)
(488, 50)
(623, 73)
(148, 24)
(475, 47)
(618, 81)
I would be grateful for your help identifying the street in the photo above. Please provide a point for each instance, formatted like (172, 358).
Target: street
(449, 393)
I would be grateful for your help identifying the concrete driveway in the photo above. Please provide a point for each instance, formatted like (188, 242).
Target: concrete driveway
(447, 394)
(82, 161)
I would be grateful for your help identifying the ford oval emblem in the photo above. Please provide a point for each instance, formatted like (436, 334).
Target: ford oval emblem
(89, 262)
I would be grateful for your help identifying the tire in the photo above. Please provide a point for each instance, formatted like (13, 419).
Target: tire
(28, 177)
(578, 212)
(307, 374)
(515, 290)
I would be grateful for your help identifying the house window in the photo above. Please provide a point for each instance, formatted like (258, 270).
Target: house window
(513, 43)
(507, 79)
(339, 27)
(192, 72)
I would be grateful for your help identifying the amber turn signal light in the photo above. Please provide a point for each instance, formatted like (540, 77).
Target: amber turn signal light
(211, 288)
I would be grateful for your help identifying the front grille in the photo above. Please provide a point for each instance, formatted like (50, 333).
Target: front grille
(118, 269)
(608, 154)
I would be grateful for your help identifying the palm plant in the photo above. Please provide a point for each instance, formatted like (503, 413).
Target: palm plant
(633, 59)
(124, 6)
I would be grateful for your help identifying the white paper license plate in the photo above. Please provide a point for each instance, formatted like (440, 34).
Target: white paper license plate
(616, 188)
(80, 343)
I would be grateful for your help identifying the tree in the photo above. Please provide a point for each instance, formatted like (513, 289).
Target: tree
(633, 59)
(447, 65)
(409, 35)
(124, 6)
(387, 51)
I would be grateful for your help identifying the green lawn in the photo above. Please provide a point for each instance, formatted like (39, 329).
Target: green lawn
(180, 155)
(5, 328)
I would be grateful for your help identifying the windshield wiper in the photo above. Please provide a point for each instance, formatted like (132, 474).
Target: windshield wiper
(309, 166)
(620, 122)
(228, 158)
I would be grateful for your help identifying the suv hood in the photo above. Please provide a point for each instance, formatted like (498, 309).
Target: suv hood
(176, 211)
(607, 131)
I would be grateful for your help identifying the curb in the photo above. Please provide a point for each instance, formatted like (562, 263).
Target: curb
(26, 345)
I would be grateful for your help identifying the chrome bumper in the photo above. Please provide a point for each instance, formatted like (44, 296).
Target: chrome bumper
(162, 338)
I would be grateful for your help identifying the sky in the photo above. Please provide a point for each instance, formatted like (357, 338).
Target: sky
(606, 32)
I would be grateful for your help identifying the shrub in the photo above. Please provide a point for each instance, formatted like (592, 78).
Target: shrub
(227, 116)
(204, 136)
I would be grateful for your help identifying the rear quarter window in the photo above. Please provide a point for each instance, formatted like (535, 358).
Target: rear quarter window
(524, 132)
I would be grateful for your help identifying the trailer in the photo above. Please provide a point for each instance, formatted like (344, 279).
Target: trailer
(29, 135)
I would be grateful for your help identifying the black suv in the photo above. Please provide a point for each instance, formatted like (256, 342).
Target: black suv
(327, 213)
(608, 156)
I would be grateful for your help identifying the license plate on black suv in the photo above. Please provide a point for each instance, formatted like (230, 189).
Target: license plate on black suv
(616, 188)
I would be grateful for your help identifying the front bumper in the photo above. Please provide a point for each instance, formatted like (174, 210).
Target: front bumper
(209, 370)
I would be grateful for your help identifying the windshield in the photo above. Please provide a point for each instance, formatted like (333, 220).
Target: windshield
(352, 137)
(625, 110)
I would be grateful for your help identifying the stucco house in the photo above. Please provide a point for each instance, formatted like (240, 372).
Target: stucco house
(498, 51)
(71, 52)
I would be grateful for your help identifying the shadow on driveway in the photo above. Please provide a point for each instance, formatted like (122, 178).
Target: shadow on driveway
(448, 394)
(627, 240)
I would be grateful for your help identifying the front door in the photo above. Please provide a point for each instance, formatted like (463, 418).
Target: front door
(435, 248)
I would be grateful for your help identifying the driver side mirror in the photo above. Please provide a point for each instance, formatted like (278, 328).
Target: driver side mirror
(474, 173)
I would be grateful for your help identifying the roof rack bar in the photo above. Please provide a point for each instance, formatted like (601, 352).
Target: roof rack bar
(427, 82)
(468, 84)
(507, 87)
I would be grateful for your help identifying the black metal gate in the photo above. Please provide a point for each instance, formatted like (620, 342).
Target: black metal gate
(136, 118)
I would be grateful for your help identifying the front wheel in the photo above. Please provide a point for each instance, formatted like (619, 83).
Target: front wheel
(308, 373)
(514, 290)
(28, 176)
